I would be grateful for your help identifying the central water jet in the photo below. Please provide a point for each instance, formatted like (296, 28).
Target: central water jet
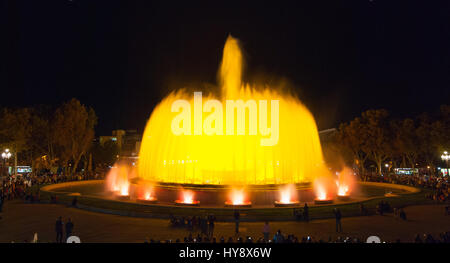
(237, 159)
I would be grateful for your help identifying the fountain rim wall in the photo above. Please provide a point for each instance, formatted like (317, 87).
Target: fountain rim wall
(100, 204)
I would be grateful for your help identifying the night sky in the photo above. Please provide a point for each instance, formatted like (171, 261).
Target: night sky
(123, 57)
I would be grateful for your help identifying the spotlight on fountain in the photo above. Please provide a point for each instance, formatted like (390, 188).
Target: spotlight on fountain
(148, 198)
(287, 197)
(123, 193)
(322, 192)
(237, 199)
(187, 199)
(122, 190)
(117, 181)
(344, 183)
(343, 193)
(145, 193)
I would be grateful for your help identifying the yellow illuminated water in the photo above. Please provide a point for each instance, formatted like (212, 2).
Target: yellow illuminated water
(232, 159)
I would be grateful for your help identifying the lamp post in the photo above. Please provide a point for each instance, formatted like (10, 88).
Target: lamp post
(6, 155)
(445, 157)
(388, 167)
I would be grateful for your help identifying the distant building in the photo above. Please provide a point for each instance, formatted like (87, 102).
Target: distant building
(326, 135)
(129, 142)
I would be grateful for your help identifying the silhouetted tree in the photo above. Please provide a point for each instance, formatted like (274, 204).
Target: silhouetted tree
(351, 138)
(405, 140)
(377, 139)
(15, 130)
(74, 131)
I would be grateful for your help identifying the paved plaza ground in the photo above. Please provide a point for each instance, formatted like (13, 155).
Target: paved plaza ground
(20, 221)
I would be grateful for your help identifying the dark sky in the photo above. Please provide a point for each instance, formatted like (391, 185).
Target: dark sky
(122, 57)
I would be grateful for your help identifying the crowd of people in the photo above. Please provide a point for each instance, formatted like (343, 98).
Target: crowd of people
(17, 187)
(65, 230)
(440, 185)
(205, 224)
(279, 237)
(26, 186)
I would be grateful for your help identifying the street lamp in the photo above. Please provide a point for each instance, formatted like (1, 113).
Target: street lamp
(6, 155)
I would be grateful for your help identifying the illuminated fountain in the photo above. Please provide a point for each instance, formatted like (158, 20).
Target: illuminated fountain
(324, 190)
(117, 181)
(345, 183)
(145, 193)
(237, 199)
(342, 189)
(240, 159)
(248, 136)
(187, 199)
(287, 197)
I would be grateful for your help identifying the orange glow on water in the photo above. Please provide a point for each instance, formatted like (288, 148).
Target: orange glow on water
(287, 194)
(124, 189)
(345, 182)
(117, 180)
(145, 192)
(286, 197)
(237, 196)
(342, 189)
(321, 192)
(232, 159)
(324, 188)
(188, 197)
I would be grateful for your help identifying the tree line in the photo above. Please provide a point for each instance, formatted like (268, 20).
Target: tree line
(63, 136)
(377, 139)
(46, 136)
